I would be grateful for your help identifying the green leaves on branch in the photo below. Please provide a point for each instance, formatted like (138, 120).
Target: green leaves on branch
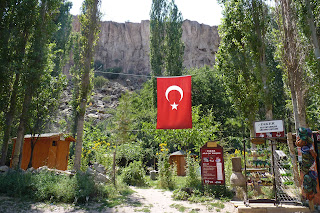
(166, 46)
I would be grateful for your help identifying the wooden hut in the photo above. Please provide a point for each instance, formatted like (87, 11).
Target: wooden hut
(179, 159)
(51, 149)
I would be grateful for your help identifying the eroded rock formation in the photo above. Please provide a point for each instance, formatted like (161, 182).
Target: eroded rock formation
(125, 46)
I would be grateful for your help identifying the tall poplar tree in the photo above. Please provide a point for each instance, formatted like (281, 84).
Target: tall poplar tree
(157, 36)
(244, 57)
(21, 27)
(235, 58)
(17, 26)
(36, 60)
(174, 47)
(166, 46)
(292, 55)
(89, 28)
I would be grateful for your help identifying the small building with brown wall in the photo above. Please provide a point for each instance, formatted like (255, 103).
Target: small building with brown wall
(51, 149)
(179, 159)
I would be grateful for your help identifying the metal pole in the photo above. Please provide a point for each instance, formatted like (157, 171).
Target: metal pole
(245, 171)
(274, 174)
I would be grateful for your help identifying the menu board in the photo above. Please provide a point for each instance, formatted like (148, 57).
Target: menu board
(212, 166)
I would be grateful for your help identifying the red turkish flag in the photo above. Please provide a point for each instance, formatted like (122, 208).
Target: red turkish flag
(174, 103)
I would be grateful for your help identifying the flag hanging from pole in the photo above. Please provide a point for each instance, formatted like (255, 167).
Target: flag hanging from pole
(174, 103)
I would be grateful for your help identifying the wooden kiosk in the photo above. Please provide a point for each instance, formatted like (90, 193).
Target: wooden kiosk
(51, 149)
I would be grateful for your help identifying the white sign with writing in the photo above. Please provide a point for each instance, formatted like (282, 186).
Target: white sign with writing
(268, 126)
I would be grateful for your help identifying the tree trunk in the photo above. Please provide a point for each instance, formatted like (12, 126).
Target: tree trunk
(21, 128)
(301, 105)
(9, 119)
(292, 58)
(313, 30)
(13, 98)
(78, 149)
(32, 144)
(85, 81)
(114, 167)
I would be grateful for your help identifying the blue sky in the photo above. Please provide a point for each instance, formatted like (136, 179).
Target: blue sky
(203, 11)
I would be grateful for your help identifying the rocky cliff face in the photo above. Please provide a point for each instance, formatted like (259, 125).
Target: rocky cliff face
(125, 46)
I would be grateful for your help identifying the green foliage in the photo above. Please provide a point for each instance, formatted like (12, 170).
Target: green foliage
(218, 191)
(48, 186)
(89, 21)
(99, 82)
(203, 130)
(307, 14)
(134, 174)
(173, 45)
(203, 193)
(246, 60)
(179, 194)
(129, 152)
(97, 145)
(62, 37)
(166, 171)
(158, 15)
(123, 120)
(45, 102)
(166, 47)
(193, 179)
(15, 184)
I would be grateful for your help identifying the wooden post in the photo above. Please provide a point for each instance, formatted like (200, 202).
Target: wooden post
(236, 164)
(311, 206)
(293, 160)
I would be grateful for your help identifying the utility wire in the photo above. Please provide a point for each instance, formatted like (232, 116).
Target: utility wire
(135, 75)
(145, 76)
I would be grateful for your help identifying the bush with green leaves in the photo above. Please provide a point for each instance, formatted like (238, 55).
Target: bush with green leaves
(15, 184)
(134, 174)
(217, 191)
(129, 152)
(99, 82)
(166, 171)
(193, 179)
(180, 194)
(48, 186)
(203, 194)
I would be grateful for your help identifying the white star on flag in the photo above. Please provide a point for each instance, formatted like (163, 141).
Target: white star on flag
(174, 106)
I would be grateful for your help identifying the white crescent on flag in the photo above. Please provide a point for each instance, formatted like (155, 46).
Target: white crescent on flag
(172, 88)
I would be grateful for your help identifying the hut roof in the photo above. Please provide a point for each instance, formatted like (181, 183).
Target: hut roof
(50, 135)
(181, 152)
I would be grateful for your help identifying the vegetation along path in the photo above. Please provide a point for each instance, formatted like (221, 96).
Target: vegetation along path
(143, 200)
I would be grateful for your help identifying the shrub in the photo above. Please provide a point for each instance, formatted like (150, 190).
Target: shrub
(217, 191)
(15, 184)
(192, 176)
(127, 153)
(99, 82)
(166, 171)
(48, 186)
(179, 194)
(134, 174)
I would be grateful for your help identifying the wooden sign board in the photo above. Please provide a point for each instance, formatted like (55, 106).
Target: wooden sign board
(212, 164)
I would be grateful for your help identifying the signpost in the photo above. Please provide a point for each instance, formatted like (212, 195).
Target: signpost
(212, 164)
(269, 129)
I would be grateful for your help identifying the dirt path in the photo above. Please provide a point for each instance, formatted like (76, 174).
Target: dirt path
(159, 201)
(143, 200)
